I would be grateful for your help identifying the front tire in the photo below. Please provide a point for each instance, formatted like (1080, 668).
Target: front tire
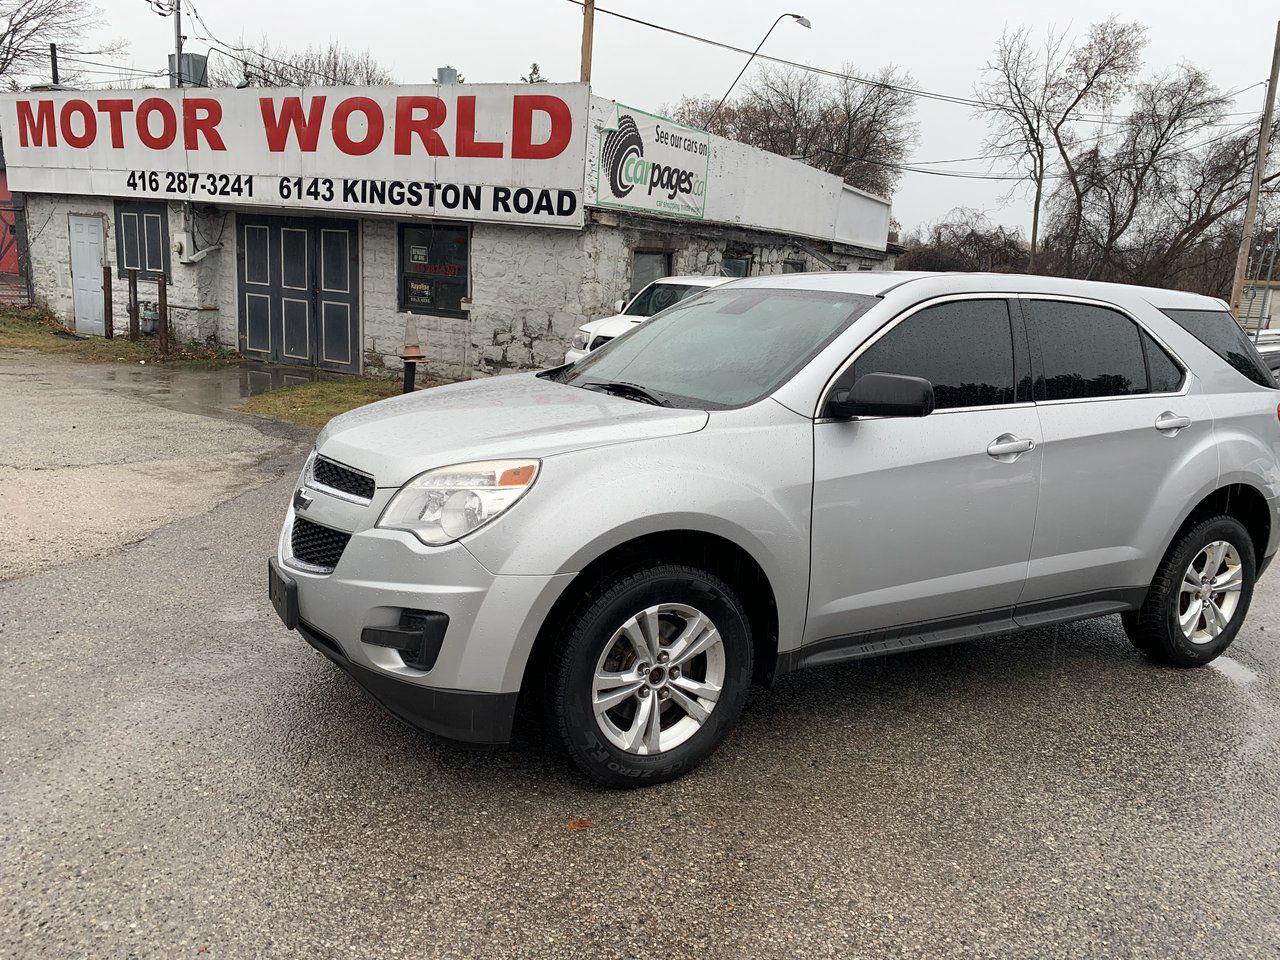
(1199, 597)
(653, 671)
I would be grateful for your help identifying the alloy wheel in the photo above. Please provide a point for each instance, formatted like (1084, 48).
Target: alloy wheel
(1210, 592)
(658, 679)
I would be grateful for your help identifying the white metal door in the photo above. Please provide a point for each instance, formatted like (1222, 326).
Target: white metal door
(86, 273)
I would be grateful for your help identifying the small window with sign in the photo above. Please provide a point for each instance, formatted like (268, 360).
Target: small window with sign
(434, 268)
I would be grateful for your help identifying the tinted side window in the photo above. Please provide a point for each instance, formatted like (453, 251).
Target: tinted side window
(1166, 375)
(964, 348)
(1088, 351)
(657, 297)
(1218, 331)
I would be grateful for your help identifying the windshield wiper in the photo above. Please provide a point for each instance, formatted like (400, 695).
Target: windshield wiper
(629, 391)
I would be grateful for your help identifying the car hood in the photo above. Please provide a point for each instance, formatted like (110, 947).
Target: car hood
(521, 415)
(614, 326)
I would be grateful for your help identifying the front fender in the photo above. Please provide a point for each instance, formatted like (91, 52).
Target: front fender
(746, 477)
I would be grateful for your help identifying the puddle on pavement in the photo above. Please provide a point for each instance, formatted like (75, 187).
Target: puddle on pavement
(213, 392)
(1235, 671)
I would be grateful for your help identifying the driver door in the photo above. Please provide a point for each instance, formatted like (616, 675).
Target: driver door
(926, 523)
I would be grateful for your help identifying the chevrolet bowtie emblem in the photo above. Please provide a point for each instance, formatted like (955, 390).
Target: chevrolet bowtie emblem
(301, 500)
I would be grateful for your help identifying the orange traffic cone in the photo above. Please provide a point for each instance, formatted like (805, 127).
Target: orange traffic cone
(411, 354)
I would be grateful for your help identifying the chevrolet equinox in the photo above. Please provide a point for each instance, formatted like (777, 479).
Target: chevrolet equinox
(778, 473)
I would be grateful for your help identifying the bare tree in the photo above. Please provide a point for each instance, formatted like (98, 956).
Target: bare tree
(965, 239)
(860, 131)
(27, 27)
(1159, 203)
(1035, 96)
(265, 65)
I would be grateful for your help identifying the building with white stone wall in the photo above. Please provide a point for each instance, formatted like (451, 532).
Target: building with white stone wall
(293, 275)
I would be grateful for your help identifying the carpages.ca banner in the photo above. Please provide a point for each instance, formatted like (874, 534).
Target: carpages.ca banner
(496, 152)
(653, 164)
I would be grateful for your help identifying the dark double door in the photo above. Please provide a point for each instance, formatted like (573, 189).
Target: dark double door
(298, 280)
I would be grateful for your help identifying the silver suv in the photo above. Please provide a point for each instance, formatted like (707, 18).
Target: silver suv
(779, 473)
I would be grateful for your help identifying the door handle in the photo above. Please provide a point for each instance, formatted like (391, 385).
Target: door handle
(1007, 445)
(1171, 422)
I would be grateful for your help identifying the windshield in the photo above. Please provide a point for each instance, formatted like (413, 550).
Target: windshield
(658, 296)
(725, 348)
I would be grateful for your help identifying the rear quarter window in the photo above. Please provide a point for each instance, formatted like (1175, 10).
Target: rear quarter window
(1219, 331)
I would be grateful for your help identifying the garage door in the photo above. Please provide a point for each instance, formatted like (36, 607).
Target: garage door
(299, 281)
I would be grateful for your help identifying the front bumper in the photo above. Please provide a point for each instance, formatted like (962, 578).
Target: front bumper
(463, 715)
(469, 690)
(573, 356)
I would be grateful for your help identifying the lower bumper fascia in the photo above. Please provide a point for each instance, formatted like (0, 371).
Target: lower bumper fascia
(463, 715)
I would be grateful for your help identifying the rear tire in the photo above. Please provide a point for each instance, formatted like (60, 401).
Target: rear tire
(1199, 597)
(653, 671)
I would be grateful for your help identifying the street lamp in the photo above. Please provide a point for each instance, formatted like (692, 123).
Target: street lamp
(803, 21)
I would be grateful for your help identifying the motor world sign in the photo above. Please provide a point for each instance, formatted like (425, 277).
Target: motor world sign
(491, 152)
(653, 164)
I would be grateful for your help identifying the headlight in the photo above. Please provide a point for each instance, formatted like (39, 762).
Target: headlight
(308, 468)
(580, 340)
(447, 503)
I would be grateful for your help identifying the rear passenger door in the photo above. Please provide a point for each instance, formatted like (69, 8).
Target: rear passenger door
(1127, 444)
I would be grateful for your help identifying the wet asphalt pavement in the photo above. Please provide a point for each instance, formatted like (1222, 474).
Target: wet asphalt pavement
(180, 776)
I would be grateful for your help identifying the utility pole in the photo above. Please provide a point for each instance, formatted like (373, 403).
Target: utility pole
(588, 34)
(1259, 169)
(53, 61)
(188, 233)
(177, 43)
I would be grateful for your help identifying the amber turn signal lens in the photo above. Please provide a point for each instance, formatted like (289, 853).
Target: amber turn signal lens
(517, 476)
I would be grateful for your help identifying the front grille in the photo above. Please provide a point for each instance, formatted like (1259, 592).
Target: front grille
(599, 342)
(342, 478)
(316, 545)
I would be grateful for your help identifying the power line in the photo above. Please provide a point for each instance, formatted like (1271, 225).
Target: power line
(911, 168)
(122, 76)
(120, 83)
(209, 37)
(262, 56)
(230, 50)
(911, 91)
(117, 67)
(925, 94)
(983, 156)
(975, 175)
(949, 98)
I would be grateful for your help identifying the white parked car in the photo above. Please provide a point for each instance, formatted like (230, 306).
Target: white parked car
(654, 298)
(1268, 344)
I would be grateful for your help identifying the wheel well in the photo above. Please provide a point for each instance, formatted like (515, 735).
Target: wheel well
(1244, 503)
(712, 553)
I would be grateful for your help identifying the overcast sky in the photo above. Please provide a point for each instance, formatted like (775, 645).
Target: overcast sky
(943, 43)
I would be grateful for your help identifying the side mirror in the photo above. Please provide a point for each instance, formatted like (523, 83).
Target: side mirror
(619, 306)
(881, 395)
